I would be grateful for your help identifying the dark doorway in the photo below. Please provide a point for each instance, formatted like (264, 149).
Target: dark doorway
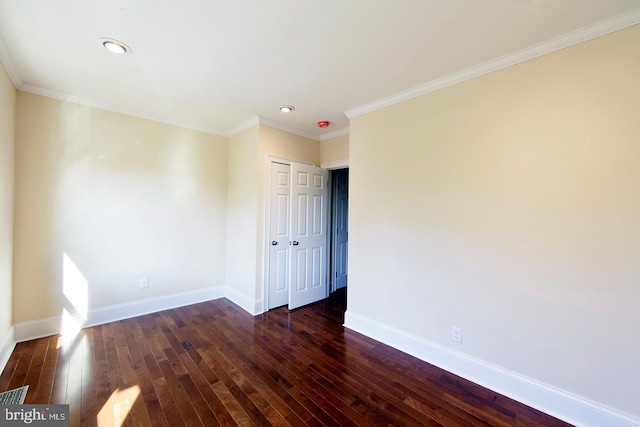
(339, 238)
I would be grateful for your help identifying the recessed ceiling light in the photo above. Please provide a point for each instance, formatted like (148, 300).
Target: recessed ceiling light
(115, 46)
(287, 108)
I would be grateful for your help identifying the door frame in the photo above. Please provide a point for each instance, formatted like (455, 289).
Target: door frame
(335, 165)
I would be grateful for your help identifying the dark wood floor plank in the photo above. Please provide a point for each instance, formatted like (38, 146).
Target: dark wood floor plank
(431, 389)
(297, 356)
(88, 394)
(140, 391)
(398, 393)
(268, 390)
(411, 391)
(213, 364)
(379, 397)
(289, 409)
(204, 388)
(19, 374)
(256, 405)
(225, 388)
(35, 369)
(300, 379)
(42, 394)
(178, 394)
(167, 403)
(102, 379)
(74, 380)
(10, 367)
(204, 412)
(61, 376)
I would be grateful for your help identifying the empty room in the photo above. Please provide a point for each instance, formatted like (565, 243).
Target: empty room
(346, 213)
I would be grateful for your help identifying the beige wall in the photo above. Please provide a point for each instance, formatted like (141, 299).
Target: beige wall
(113, 198)
(276, 142)
(7, 143)
(248, 153)
(242, 213)
(508, 205)
(334, 149)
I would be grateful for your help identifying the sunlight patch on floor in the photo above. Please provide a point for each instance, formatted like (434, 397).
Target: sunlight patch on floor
(115, 410)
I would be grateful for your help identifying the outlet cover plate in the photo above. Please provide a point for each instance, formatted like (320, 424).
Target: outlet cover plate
(456, 334)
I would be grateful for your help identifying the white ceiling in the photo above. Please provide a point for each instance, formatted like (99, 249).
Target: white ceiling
(217, 65)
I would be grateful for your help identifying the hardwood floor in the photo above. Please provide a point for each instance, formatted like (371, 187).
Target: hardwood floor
(213, 364)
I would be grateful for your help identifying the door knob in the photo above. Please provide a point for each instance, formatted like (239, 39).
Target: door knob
(295, 243)
(273, 242)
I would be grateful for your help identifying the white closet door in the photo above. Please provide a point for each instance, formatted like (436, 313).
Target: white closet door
(279, 235)
(308, 235)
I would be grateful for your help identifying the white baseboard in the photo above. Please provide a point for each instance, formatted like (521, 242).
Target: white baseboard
(53, 325)
(553, 401)
(252, 306)
(33, 329)
(8, 344)
(152, 305)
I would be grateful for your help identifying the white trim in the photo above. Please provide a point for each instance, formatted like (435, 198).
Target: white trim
(9, 65)
(152, 305)
(334, 134)
(295, 131)
(34, 329)
(251, 306)
(580, 35)
(277, 125)
(551, 400)
(258, 307)
(118, 109)
(337, 164)
(53, 325)
(271, 158)
(8, 345)
(254, 121)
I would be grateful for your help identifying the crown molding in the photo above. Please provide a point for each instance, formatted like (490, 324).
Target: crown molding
(295, 131)
(243, 126)
(335, 134)
(117, 109)
(166, 120)
(9, 65)
(580, 35)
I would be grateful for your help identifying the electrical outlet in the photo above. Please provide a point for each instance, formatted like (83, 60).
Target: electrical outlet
(456, 334)
(144, 282)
